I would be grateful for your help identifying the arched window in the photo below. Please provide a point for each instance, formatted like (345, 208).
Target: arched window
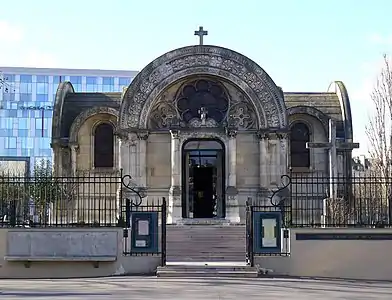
(299, 154)
(202, 93)
(104, 146)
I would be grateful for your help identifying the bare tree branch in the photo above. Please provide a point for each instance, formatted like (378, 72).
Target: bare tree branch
(378, 129)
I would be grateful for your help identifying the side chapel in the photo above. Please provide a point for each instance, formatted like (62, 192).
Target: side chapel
(203, 126)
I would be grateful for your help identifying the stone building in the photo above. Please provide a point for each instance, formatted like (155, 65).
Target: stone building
(205, 127)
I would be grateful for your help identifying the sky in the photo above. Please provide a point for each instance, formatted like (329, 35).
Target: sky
(303, 45)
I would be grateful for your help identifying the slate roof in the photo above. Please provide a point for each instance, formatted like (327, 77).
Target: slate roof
(75, 103)
(328, 103)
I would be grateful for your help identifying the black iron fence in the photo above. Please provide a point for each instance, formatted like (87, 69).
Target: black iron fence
(88, 199)
(98, 199)
(363, 200)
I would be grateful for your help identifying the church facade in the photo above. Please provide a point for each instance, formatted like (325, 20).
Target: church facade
(203, 126)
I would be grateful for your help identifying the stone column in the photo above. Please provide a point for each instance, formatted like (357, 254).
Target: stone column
(123, 146)
(283, 146)
(273, 164)
(232, 207)
(74, 153)
(175, 208)
(142, 161)
(119, 142)
(232, 147)
(263, 163)
(127, 162)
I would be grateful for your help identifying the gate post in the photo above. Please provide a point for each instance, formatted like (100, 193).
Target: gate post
(249, 232)
(163, 232)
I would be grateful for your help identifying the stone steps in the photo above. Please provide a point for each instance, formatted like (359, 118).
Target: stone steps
(205, 243)
(208, 271)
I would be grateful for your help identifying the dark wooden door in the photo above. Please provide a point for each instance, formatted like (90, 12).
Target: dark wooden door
(203, 206)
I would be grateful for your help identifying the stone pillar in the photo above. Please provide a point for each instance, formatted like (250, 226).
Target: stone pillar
(127, 159)
(119, 142)
(142, 158)
(274, 161)
(263, 161)
(74, 153)
(175, 208)
(283, 147)
(232, 208)
(127, 162)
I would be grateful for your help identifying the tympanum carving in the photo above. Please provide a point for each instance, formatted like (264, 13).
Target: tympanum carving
(203, 103)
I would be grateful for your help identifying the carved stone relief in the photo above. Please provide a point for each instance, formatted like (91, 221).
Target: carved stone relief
(186, 135)
(203, 103)
(208, 60)
(243, 116)
(142, 135)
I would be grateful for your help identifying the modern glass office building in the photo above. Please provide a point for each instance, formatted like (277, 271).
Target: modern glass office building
(26, 105)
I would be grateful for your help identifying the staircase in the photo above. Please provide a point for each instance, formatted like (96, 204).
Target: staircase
(208, 270)
(205, 243)
(206, 248)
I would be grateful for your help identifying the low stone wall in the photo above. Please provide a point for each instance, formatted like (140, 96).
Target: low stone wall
(335, 253)
(67, 253)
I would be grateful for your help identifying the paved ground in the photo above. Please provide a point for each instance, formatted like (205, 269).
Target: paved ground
(136, 288)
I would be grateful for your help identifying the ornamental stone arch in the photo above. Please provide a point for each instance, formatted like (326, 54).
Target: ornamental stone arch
(63, 90)
(88, 113)
(311, 111)
(218, 62)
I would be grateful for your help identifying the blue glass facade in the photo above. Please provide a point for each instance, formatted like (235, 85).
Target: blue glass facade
(26, 108)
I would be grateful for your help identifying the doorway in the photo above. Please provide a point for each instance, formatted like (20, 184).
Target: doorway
(203, 179)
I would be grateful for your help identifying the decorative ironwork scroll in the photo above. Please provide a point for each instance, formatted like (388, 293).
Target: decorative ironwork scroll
(280, 195)
(126, 181)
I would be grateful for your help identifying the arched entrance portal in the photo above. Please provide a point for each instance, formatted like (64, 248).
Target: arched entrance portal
(203, 179)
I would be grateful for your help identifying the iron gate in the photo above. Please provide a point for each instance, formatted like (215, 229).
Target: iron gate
(144, 222)
(267, 232)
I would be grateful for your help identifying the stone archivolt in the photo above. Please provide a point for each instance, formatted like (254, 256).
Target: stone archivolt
(266, 98)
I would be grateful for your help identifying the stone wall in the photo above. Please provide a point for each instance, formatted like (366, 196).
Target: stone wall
(248, 170)
(158, 162)
(68, 253)
(247, 162)
(337, 258)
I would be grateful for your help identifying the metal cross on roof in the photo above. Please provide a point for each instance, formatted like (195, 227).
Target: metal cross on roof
(201, 33)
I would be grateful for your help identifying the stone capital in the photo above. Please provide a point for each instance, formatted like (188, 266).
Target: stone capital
(231, 133)
(122, 134)
(74, 147)
(142, 135)
(282, 135)
(262, 135)
(175, 133)
(278, 135)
